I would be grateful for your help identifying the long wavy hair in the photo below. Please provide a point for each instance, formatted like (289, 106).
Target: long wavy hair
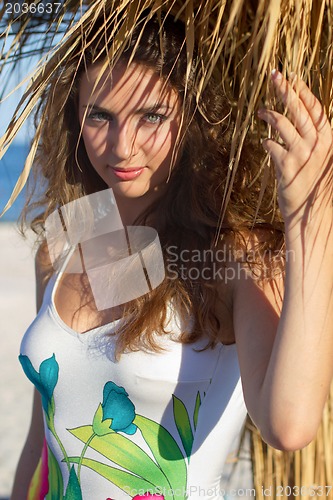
(188, 216)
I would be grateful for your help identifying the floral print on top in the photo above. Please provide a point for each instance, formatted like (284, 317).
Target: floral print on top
(147, 425)
(116, 414)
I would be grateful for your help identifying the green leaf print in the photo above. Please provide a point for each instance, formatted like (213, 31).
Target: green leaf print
(73, 490)
(166, 452)
(125, 480)
(101, 427)
(123, 452)
(56, 484)
(183, 424)
(196, 410)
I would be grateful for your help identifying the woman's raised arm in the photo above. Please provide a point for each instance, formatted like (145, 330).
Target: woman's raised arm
(286, 346)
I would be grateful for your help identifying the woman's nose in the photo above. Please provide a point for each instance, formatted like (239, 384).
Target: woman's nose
(123, 142)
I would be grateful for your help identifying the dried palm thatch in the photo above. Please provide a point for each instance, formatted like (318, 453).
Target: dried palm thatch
(306, 474)
(240, 41)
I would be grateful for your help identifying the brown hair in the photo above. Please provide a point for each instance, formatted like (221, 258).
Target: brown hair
(189, 213)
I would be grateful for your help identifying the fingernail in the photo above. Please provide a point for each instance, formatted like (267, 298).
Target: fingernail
(276, 75)
(292, 76)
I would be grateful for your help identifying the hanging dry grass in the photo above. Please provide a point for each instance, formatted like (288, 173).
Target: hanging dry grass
(240, 41)
(306, 474)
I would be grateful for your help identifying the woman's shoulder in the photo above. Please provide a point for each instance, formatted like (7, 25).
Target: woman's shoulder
(253, 248)
(251, 255)
(252, 269)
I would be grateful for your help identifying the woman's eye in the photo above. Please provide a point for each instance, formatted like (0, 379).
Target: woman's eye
(99, 117)
(154, 118)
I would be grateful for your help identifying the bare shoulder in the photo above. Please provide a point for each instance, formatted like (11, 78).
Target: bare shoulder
(253, 272)
(258, 287)
(43, 271)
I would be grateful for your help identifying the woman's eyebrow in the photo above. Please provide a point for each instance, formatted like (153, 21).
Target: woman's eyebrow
(146, 109)
(96, 108)
(153, 107)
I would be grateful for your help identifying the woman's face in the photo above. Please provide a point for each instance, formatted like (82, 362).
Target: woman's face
(130, 121)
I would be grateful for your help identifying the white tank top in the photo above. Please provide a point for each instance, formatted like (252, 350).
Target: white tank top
(150, 423)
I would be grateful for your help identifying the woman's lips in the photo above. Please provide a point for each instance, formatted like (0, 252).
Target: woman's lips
(127, 174)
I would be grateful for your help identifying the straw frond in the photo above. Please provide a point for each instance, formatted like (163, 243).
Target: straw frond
(239, 41)
(306, 474)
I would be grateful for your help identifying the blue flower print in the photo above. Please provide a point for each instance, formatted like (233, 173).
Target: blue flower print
(46, 380)
(118, 407)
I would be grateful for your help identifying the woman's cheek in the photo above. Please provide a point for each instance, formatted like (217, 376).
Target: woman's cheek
(95, 142)
(161, 144)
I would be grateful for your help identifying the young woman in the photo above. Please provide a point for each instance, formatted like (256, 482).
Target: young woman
(146, 397)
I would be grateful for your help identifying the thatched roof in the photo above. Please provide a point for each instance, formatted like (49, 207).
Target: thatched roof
(241, 41)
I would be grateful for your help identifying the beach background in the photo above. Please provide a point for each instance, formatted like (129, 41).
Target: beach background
(17, 311)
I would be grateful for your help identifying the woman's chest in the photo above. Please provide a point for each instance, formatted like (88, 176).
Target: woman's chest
(74, 303)
(81, 366)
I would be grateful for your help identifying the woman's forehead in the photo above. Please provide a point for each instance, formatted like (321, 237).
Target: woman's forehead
(133, 84)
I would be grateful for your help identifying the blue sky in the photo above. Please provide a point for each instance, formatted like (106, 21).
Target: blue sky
(26, 66)
(8, 106)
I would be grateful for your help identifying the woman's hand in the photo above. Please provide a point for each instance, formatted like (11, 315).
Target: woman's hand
(285, 350)
(305, 159)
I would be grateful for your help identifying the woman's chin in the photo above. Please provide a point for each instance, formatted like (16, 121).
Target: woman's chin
(129, 191)
(136, 190)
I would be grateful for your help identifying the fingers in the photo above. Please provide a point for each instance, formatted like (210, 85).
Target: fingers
(277, 153)
(305, 122)
(288, 133)
(310, 102)
(303, 162)
(297, 111)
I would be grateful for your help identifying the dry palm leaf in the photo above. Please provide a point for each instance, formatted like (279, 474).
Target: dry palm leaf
(306, 474)
(239, 41)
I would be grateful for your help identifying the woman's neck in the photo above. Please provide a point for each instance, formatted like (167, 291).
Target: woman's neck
(131, 210)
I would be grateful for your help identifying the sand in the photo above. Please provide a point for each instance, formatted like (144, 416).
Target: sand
(17, 310)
